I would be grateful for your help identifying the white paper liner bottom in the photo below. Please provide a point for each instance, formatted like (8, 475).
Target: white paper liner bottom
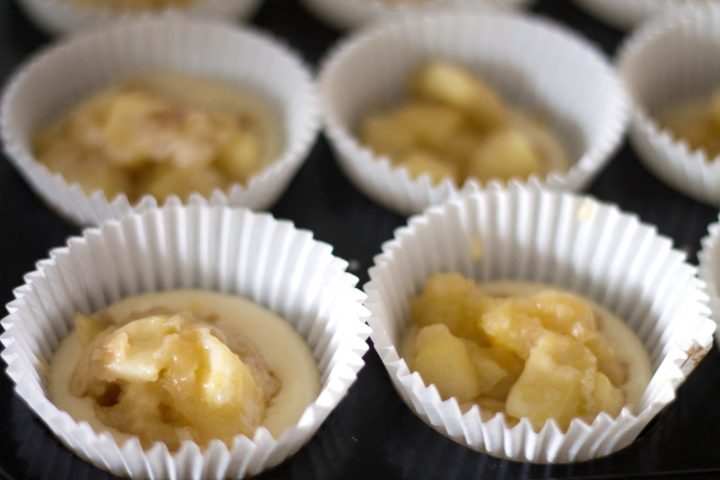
(64, 16)
(670, 61)
(203, 247)
(63, 75)
(575, 243)
(535, 64)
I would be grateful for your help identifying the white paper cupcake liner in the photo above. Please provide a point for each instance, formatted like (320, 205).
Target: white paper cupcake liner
(558, 238)
(626, 14)
(534, 64)
(355, 13)
(672, 60)
(206, 247)
(57, 79)
(709, 258)
(59, 17)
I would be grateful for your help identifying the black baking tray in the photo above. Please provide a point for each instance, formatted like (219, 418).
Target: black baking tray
(372, 434)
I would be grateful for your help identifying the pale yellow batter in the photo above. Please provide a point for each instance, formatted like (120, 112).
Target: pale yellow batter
(285, 351)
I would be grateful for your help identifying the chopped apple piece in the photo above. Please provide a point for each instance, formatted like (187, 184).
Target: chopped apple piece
(449, 85)
(443, 360)
(505, 154)
(551, 385)
(608, 361)
(604, 398)
(490, 373)
(241, 157)
(125, 121)
(564, 313)
(431, 125)
(567, 314)
(452, 300)
(491, 405)
(461, 147)
(509, 326)
(511, 364)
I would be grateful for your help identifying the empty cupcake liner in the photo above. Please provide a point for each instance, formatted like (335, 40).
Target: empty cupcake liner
(355, 13)
(709, 258)
(671, 60)
(627, 14)
(533, 63)
(573, 242)
(59, 17)
(196, 246)
(57, 79)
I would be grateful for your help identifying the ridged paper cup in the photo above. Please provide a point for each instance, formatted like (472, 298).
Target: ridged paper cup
(534, 64)
(626, 14)
(575, 243)
(709, 258)
(355, 13)
(203, 247)
(668, 61)
(57, 79)
(66, 16)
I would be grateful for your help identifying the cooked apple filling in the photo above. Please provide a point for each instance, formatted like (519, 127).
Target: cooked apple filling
(170, 376)
(524, 349)
(454, 126)
(161, 134)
